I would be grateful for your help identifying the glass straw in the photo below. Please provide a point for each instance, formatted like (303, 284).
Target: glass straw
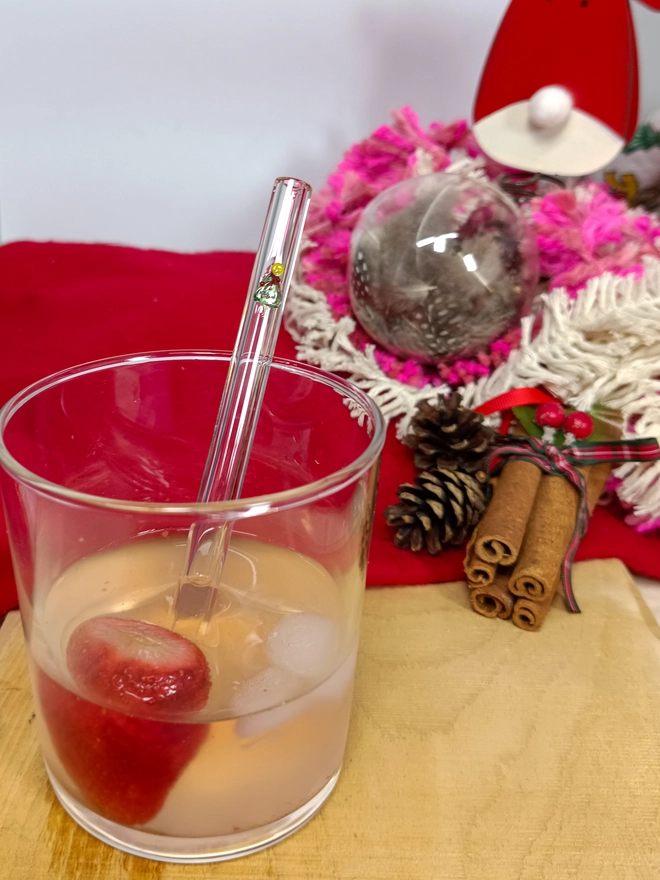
(236, 424)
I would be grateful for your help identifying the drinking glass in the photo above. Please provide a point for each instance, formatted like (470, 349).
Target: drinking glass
(174, 736)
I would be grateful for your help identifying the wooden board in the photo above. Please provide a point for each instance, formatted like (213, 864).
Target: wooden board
(477, 752)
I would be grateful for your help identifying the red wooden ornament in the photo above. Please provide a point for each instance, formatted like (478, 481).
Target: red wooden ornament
(588, 48)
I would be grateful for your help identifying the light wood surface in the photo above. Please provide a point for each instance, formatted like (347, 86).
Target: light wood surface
(477, 752)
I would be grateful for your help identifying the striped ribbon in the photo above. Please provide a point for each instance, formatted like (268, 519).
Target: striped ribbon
(564, 463)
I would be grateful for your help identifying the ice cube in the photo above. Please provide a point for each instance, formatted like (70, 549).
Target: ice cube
(266, 689)
(303, 643)
(335, 687)
(279, 684)
(264, 701)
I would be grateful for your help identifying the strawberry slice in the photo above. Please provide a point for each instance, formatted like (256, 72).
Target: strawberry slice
(124, 766)
(123, 760)
(138, 667)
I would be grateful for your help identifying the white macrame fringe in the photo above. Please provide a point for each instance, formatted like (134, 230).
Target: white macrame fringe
(601, 347)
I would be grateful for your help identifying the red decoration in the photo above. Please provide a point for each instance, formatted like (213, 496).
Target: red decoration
(505, 403)
(579, 424)
(586, 46)
(549, 415)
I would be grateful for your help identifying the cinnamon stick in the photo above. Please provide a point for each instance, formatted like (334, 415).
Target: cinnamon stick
(500, 533)
(549, 531)
(478, 572)
(494, 599)
(529, 615)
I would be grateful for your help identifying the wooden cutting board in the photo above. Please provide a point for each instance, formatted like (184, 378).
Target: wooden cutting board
(477, 752)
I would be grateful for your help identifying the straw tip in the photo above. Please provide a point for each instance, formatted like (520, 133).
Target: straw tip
(295, 181)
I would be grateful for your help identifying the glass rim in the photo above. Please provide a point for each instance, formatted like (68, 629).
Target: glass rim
(239, 508)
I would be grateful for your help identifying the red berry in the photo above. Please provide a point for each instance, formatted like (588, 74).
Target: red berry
(123, 767)
(579, 424)
(549, 415)
(138, 667)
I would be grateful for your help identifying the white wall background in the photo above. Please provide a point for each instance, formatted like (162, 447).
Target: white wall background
(162, 123)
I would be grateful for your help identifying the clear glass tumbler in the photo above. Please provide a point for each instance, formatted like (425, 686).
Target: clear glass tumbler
(166, 735)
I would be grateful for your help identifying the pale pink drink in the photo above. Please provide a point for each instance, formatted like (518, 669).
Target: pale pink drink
(186, 740)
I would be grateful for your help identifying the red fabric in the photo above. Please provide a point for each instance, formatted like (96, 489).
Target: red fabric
(63, 304)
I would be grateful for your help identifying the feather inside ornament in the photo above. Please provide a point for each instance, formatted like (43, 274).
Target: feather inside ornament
(441, 266)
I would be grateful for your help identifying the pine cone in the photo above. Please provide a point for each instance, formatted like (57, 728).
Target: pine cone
(438, 509)
(447, 435)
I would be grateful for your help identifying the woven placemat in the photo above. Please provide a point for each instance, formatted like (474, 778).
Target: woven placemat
(476, 751)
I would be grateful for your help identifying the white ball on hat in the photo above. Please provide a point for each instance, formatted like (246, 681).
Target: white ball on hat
(550, 107)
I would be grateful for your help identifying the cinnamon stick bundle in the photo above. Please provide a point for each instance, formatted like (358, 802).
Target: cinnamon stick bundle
(494, 599)
(515, 556)
(500, 533)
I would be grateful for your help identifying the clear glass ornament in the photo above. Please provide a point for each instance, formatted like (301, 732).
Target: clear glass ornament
(441, 266)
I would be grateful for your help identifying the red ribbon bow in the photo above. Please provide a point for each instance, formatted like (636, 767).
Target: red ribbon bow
(563, 462)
